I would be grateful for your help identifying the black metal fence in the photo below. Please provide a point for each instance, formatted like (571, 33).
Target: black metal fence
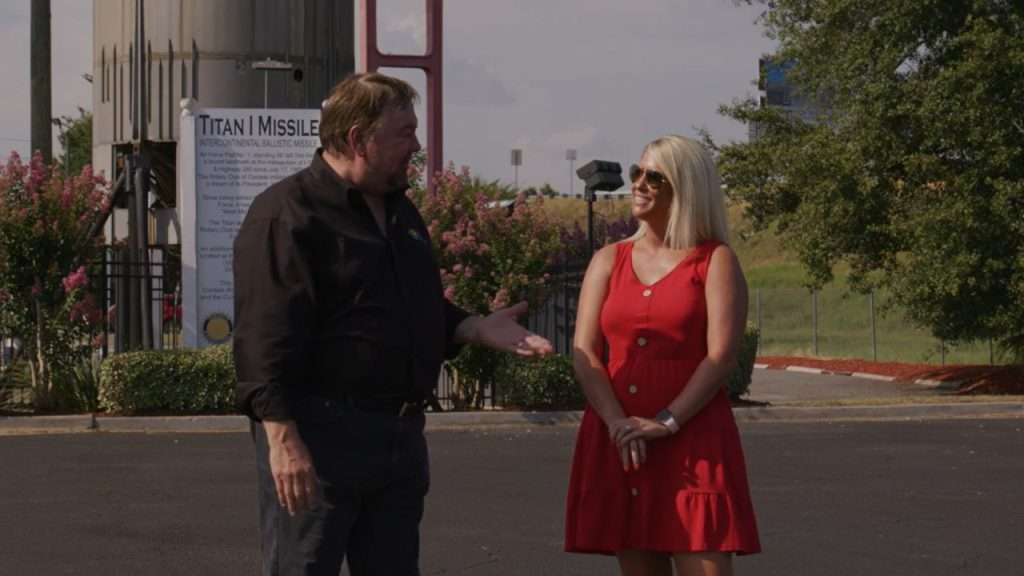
(113, 272)
(554, 319)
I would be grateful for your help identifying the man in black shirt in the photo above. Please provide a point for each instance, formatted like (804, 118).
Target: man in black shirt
(341, 329)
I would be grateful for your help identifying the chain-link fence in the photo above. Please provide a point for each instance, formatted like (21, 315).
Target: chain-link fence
(835, 322)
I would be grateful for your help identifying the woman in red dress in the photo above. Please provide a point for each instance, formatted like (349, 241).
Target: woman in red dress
(658, 475)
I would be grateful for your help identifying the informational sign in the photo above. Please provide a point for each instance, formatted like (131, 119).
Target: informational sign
(227, 156)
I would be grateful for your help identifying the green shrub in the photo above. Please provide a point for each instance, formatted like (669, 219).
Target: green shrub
(541, 383)
(76, 387)
(168, 381)
(739, 382)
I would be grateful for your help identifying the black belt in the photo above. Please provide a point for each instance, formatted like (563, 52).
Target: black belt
(395, 406)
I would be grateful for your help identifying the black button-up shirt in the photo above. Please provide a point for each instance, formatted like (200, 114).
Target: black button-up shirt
(327, 305)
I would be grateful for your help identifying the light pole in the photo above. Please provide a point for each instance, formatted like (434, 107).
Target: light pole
(267, 66)
(570, 155)
(517, 161)
(598, 175)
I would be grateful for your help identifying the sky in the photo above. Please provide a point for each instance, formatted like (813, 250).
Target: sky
(71, 53)
(603, 77)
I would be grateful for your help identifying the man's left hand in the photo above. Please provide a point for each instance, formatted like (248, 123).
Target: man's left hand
(500, 331)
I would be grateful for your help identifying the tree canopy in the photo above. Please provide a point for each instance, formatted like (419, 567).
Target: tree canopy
(75, 138)
(914, 172)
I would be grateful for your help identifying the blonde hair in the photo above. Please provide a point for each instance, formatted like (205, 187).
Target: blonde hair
(361, 100)
(697, 213)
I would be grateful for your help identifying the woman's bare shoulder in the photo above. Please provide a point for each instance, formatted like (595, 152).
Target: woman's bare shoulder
(604, 259)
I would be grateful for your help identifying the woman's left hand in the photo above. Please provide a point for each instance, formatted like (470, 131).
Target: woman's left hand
(641, 428)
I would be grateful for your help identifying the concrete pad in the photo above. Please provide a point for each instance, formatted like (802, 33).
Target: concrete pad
(879, 377)
(804, 370)
(939, 384)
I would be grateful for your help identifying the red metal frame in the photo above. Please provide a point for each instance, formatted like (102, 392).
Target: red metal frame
(371, 59)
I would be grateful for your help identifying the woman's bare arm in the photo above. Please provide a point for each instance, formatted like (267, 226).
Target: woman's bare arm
(726, 295)
(589, 343)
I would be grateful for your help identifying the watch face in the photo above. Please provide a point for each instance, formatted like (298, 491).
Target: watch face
(667, 420)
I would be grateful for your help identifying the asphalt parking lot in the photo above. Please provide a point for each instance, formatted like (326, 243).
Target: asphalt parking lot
(905, 498)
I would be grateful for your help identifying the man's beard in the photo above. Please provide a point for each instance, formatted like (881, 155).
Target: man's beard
(399, 180)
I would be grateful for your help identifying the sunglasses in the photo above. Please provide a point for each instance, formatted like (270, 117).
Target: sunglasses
(653, 178)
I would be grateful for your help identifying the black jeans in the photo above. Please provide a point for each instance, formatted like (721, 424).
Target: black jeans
(374, 473)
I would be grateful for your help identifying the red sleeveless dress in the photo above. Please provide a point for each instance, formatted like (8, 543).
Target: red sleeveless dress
(691, 494)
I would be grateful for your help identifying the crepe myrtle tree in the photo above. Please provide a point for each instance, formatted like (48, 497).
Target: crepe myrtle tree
(45, 248)
(494, 248)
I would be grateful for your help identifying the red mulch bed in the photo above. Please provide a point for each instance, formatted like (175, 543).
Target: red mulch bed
(975, 379)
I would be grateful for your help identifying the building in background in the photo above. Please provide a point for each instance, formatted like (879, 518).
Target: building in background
(776, 91)
(150, 55)
(207, 51)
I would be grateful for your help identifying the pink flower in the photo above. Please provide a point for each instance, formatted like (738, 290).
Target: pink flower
(75, 280)
(66, 196)
(86, 311)
(37, 172)
(449, 292)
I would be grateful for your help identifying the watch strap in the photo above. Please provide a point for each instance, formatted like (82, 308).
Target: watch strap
(667, 420)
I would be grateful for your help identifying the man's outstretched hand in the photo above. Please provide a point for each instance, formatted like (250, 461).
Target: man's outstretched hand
(501, 331)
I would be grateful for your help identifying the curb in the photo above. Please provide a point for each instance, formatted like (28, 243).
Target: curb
(880, 413)
(826, 372)
(469, 420)
(478, 420)
(47, 424)
(944, 385)
(158, 424)
(15, 425)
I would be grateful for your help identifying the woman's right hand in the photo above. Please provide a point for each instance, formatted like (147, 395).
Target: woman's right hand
(634, 452)
(618, 428)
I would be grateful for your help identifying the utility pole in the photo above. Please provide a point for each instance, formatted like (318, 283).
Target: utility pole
(141, 173)
(42, 114)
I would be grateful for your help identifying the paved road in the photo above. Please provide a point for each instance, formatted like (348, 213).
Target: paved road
(903, 498)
